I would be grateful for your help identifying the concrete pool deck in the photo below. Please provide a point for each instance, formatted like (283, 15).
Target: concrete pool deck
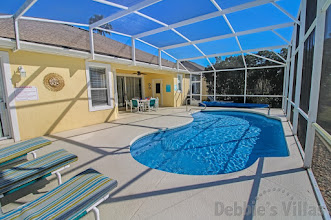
(277, 187)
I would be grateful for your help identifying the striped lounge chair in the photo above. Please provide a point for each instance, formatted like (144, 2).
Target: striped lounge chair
(15, 152)
(26, 173)
(71, 200)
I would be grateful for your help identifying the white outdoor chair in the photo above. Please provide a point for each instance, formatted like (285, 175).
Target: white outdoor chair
(151, 104)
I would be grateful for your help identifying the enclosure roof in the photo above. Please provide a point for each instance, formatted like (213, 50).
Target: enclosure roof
(178, 30)
(74, 38)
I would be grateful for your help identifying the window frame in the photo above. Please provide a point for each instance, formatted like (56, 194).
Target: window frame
(109, 85)
(181, 83)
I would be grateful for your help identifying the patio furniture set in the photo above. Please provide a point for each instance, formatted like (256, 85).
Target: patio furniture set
(69, 200)
(142, 105)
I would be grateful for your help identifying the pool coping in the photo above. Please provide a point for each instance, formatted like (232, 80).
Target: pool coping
(196, 111)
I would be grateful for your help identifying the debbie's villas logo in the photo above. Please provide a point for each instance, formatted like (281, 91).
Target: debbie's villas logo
(288, 205)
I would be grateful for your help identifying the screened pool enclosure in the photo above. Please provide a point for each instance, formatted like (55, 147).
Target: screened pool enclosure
(248, 51)
(239, 47)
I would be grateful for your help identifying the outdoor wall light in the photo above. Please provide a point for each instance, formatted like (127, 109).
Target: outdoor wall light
(22, 71)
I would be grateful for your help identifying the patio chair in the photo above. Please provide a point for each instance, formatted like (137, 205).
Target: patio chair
(151, 104)
(24, 174)
(71, 200)
(17, 151)
(135, 104)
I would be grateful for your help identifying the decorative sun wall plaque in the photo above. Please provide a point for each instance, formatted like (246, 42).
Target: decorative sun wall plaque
(54, 82)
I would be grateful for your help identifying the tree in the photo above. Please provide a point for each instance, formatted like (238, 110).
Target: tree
(324, 105)
(96, 18)
(266, 81)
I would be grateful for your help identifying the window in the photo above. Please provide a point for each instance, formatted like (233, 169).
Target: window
(158, 88)
(179, 82)
(196, 88)
(99, 86)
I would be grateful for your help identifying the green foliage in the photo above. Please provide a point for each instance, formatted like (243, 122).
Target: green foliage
(230, 83)
(266, 81)
(96, 18)
(228, 63)
(324, 106)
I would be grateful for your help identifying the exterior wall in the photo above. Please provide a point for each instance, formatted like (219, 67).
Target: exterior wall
(170, 99)
(180, 97)
(68, 109)
(54, 111)
(167, 79)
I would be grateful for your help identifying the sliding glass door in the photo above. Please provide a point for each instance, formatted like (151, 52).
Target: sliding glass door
(128, 88)
(133, 87)
(121, 90)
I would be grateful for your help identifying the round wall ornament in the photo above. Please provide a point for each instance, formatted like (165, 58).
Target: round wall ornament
(54, 82)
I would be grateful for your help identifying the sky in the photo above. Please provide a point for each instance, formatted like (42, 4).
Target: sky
(173, 11)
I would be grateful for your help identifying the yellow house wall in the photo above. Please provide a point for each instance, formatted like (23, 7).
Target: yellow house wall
(68, 109)
(170, 99)
(167, 79)
(54, 111)
(180, 97)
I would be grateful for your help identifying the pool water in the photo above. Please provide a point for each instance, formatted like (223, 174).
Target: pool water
(216, 142)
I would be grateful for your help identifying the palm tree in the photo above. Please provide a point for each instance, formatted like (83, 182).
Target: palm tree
(96, 18)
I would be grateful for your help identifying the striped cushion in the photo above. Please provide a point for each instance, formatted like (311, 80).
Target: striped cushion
(22, 148)
(31, 170)
(70, 200)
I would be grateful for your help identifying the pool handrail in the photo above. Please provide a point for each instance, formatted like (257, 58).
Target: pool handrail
(205, 106)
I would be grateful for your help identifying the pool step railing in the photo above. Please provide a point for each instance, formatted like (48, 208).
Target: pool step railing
(200, 103)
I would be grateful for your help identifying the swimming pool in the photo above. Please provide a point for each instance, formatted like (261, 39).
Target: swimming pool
(216, 142)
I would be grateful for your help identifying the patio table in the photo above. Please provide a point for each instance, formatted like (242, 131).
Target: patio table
(144, 102)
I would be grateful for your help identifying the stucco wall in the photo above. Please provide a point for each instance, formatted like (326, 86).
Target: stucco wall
(170, 99)
(180, 97)
(68, 109)
(54, 111)
(167, 79)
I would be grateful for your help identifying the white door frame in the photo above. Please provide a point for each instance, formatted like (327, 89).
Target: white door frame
(161, 90)
(9, 96)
